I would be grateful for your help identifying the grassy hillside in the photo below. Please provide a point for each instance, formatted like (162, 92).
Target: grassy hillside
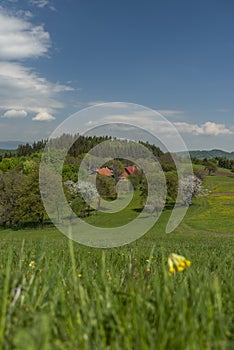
(214, 213)
(55, 294)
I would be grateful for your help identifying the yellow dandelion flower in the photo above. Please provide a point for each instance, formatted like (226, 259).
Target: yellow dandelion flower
(79, 275)
(147, 260)
(180, 268)
(32, 264)
(182, 264)
(171, 270)
(177, 263)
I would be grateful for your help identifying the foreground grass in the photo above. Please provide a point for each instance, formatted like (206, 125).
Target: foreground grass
(77, 297)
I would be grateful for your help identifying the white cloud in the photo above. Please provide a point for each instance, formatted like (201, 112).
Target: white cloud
(43, 116)
(153, 121)
(20, 39)
(94, 103)
(13, 113)
(22, 89)
(24, 14)
(208, 128)
(170, 112)
(42, 4)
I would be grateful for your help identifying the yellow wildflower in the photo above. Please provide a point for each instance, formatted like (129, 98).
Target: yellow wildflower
(180, 268)
(147, 260)
(79, 275)
(177, 263)
(171, 266)
(171, 270)
(32, 264)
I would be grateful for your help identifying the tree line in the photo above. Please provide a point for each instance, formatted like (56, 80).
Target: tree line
(213, 163)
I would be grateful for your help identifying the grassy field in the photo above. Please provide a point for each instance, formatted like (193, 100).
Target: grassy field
(56, 294)
(214, 213)
(220, 183)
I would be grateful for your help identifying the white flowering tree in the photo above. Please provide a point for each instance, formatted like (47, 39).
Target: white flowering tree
(84, 188)
(190, 186)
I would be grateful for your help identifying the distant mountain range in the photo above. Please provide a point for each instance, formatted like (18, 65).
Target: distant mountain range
(10, 145)
(210, 154)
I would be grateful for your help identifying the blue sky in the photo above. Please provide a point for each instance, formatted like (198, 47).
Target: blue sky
(57, 57)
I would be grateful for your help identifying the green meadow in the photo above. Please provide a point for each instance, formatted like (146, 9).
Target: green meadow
(57, 294)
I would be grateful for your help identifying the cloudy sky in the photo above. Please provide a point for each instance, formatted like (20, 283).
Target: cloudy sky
(57, 57)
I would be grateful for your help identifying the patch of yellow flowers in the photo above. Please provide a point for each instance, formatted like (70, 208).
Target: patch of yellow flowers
(177, 263)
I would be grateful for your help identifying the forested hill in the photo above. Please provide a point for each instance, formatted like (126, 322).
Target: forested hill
(215, 153)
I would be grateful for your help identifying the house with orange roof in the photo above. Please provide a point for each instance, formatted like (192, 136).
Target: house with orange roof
(129, 170)
(105, 171)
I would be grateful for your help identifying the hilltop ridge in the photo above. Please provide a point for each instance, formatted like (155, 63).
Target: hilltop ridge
(201, 154)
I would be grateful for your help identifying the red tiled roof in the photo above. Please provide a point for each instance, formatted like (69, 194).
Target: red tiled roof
(130, 169)
(105, 171)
